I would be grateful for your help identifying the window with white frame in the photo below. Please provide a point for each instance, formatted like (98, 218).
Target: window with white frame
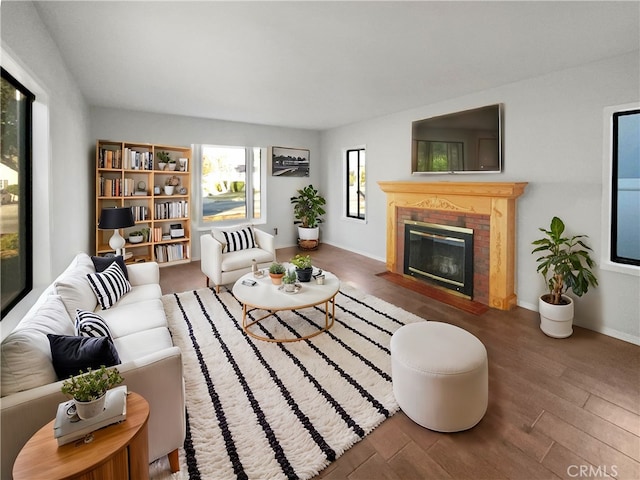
(356, 200)
(231, 183)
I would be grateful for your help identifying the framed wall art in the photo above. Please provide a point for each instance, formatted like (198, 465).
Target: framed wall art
(289, 162)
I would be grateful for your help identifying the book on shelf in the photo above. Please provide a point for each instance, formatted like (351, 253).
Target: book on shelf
(68, 427)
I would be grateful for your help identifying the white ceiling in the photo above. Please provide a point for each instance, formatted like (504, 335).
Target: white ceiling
(324, 64)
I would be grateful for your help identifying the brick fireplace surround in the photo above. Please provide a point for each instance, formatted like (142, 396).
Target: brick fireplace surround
(489, 208)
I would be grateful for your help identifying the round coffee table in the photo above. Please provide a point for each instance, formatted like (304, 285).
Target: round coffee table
(264, 295)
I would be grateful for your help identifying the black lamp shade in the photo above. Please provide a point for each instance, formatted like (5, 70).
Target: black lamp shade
(117, 217)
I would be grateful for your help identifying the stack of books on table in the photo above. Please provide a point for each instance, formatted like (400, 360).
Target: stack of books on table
(68, 427)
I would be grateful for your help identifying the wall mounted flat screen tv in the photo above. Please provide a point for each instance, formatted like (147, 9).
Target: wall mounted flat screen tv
(461, 142)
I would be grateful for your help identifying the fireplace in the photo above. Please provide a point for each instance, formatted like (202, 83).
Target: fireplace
(463, 204)
(440, 254)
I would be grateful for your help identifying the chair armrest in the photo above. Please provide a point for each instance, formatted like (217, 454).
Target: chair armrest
(211, 257)
(265, 241)
(143, 273)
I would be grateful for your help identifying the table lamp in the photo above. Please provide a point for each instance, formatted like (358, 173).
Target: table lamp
(116, 218)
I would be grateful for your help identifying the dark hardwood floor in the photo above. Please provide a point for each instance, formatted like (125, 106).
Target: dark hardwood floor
(566, 408)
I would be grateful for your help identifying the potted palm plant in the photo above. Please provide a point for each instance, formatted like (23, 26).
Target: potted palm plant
(565, 264)
(308, 210)
(89, 389)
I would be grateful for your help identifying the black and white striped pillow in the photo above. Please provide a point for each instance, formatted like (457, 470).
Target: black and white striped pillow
(239, 239)
(109, 285)
(89, 324)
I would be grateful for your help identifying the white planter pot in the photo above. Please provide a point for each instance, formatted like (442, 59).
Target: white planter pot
(168, 189)
(308, 233)
(90, 409)
(556, 320)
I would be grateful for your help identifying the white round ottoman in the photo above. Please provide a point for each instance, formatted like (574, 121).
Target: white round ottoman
(440, 375)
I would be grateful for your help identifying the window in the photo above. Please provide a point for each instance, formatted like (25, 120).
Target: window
(625, 188)
(16, 278)
(231, 183)
(356, 181)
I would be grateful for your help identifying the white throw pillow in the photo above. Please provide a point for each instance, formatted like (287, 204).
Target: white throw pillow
(73, 287)
(26, 355)
(109, 285)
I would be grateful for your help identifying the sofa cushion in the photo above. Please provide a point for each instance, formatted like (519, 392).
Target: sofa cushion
(139, 344)
(140, 293)
(73, 287)
(101, 264)
(90, 324)
(242, 259)
(71, 354)
(26, 355)
(109, 285)
(136, 317)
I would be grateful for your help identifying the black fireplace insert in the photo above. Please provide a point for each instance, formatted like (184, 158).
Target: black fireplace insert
(440, 254)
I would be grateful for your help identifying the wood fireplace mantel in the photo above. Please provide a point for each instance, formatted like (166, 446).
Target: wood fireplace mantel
(495, 199)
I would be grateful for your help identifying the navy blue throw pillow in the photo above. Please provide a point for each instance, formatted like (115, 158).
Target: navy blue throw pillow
(101, 264)
(71, 354)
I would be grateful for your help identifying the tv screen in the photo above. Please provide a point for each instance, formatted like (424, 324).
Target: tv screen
(468, 141)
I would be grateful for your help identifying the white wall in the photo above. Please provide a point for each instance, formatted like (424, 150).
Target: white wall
(553, 140)
(62, 207)
(124, 125)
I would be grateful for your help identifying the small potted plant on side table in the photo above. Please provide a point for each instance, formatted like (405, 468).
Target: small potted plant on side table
(89, 389)
(304, 267)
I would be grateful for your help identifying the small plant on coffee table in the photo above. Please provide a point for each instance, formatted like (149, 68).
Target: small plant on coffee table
(290, 277)
(304, 267)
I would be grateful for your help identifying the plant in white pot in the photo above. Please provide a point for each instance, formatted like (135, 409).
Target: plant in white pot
(163, 159)
(565, 264)
(170, 184)
(89, 389)
(308, 210)
(289, 281)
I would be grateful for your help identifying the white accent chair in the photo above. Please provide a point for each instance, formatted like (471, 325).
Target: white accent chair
(223, 267)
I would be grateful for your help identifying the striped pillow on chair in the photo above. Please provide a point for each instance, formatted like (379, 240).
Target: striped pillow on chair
(239, 239)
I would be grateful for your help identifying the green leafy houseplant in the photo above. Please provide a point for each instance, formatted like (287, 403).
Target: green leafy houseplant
(91, 385)
(307, 207)
(290, 277)
(302, 262)
(164, 157)
(566, 263)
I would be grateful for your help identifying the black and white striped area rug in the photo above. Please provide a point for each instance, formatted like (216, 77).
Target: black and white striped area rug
(261, 410)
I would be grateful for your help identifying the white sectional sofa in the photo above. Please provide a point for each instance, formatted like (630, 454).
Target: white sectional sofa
(150, 364)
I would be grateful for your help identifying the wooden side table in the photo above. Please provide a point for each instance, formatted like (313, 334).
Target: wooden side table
(117, 451)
